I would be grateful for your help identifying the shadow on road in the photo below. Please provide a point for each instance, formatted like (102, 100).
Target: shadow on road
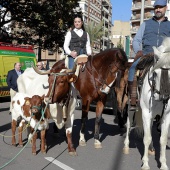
(5, 127)
(4, 109)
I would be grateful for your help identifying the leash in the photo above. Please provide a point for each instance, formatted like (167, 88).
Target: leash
(27, 125)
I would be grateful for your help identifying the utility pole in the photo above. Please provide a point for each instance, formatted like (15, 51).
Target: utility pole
(142, 12)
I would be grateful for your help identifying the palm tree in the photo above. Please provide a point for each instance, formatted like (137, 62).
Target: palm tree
(95, 31)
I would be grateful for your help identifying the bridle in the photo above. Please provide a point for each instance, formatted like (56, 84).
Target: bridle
(94, 73)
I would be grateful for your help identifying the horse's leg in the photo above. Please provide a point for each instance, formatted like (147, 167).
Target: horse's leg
(126, 141)
(146, 116)
(151, 150)
(118, 118)
(82, 141)
(99, 109)
(128, 127)
(163, 140)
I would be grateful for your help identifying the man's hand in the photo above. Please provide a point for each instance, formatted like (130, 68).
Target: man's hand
(138, 55)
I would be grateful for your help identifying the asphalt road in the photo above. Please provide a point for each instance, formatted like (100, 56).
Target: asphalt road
(110, 157)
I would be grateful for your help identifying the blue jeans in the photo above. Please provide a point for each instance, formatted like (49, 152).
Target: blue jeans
(132, 70)
(71, 60)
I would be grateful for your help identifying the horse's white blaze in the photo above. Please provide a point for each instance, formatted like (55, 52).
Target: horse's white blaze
(106, 90)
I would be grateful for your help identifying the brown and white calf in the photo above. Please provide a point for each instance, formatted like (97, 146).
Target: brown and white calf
(30, 109)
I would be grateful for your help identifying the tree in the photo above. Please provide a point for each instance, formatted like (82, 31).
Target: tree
(119, 44)
(95, 31)
(42, 22)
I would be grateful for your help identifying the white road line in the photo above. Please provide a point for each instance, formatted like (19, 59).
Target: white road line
(58, 163)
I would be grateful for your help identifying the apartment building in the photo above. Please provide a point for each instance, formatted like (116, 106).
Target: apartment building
(107, 18)
(120, 31)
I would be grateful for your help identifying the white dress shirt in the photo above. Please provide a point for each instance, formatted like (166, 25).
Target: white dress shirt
(79, 32)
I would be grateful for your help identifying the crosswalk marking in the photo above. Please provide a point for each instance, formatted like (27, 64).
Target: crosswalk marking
(58, 163)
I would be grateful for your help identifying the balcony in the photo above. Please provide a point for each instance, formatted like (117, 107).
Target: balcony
(137, 6)
(138, 17)
(148, 5)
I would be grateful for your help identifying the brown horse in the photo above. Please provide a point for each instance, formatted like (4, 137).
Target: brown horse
(93, 83)
(121, 90)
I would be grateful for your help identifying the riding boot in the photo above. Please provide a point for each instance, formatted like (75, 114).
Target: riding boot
(132, 88)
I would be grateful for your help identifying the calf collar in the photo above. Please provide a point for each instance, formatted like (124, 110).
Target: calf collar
(39, 109)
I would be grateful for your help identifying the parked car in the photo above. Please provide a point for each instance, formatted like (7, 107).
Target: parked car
(111, 103)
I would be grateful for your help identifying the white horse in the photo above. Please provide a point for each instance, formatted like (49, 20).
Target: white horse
(155, 102)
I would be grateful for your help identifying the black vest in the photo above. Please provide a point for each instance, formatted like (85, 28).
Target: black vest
(78, 43)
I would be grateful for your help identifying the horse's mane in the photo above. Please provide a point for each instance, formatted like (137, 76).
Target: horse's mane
(163, 54)
(164, 61)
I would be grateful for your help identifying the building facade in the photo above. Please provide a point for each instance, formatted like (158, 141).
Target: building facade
(120, 31)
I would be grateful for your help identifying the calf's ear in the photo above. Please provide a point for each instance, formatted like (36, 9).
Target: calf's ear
(27, 100)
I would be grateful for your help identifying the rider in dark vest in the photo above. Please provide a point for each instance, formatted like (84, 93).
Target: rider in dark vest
(150, 33)
(77, 42)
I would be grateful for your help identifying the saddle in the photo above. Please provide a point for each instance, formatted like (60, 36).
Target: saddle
(145, 63)
(79, 63)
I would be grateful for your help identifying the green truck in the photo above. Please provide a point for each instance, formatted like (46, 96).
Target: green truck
(10, 54)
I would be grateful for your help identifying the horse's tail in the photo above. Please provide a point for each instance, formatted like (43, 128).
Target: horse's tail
(139, 124)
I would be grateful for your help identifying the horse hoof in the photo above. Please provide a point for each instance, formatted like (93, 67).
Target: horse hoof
(164, 167)
(43, 152)
(151, 152)
(126, 151)
(145, 168)
(82, 143)
(97, 146)
(73, 153)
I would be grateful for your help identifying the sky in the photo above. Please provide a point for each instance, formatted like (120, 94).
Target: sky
(121, 10)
